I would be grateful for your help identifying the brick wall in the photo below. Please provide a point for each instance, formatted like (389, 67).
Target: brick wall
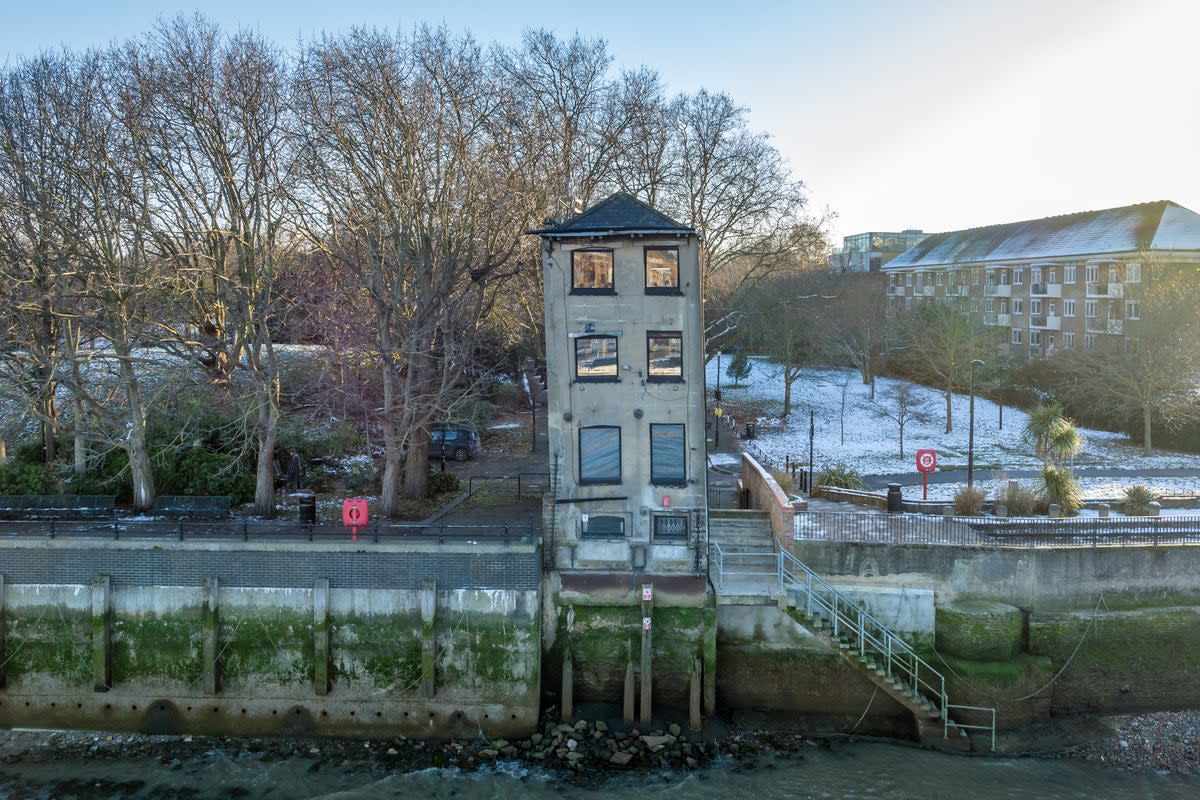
(240, 565)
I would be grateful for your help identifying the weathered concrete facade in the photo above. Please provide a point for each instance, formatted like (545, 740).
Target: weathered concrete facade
(625, 391)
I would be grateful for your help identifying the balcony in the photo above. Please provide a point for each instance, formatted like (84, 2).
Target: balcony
(1106, 290)
(1046, 289)
(927, 291)
(989, 319)
(1004, 319)
(999, 290)
(1100, 325)
(1115, 326)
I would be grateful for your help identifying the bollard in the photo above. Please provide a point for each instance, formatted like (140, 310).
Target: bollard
(894, 500)
(1155, 508)
(1103, 509)
(1055, 511)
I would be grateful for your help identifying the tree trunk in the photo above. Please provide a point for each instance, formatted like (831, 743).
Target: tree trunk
(3, 453)
(1147, 445)
(80, 441)
(416, 471)
(902, 441)
(48, 413)
(265, 432)
(949, 409)
(140, 474)
(787, 398)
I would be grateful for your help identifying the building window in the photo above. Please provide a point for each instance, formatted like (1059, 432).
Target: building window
(1133, 273)
(1051, 309)
(662, 269)
(602, 526)
(908, 279)
(1052, 276)
(1114, 274)
(939, 279)
(1018, 277)
(1131, 309)
(1003, 277)
(1089, 309)
(1068, 308)
(596, 358)
(670, 527)
(1003, 306)
(600, 454)
(1092, 273)
(664, 356)
(989, 306)
(668, 466)
(1016, 335)
(1068, 339)
(1035, 274)
(1049, 342)
(1035, 338)
(1018, 305)
(1035, 307)
(592, 271)
(1068, 274)
(908, 304)
(1089, 341)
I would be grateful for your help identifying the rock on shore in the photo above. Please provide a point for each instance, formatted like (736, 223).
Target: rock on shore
(1166, 741)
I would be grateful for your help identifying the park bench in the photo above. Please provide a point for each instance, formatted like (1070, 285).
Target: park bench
(56, 506)
(184, 505)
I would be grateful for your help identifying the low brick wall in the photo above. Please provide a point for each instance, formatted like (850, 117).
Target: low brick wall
(767, 495)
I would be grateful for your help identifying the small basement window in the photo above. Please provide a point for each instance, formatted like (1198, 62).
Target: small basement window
(602, 526)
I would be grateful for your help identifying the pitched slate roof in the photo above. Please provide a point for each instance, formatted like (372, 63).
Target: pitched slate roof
(1161, 225)
(620, 214)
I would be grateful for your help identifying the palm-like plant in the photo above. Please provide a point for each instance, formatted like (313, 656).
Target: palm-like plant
(1054, 437)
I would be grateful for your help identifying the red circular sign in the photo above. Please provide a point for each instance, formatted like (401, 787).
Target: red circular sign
(926, 460)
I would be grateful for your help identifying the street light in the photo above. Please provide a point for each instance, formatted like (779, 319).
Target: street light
(971, 425)
(717, 394)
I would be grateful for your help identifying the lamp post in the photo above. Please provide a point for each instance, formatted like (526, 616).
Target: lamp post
(971, 425)
(717, 394)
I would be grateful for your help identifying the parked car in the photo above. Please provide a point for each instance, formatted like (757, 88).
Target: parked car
(453, 441)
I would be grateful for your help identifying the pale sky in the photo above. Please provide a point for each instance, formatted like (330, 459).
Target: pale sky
(931, 114)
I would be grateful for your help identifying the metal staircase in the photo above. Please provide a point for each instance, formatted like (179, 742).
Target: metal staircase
(745, 560)
(885, 658)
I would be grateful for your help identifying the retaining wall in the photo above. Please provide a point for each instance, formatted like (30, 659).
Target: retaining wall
(260, 639)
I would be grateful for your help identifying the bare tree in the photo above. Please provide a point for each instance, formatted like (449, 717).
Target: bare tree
(1151, 372)
(901, 403)
(857, 330)
(939, 343)
(412, 192)
(210, 134)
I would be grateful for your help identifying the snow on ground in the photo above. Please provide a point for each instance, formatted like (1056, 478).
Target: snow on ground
(871, 440)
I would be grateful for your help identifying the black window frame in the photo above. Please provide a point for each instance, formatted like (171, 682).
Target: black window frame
(677, 289)
(616, 372)
(650, 376)
(606, 480)
(656, 479)
(611, 522)
(675, 537)
(610, 289)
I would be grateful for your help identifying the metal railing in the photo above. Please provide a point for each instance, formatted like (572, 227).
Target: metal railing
(730, 565)
(1023, 532)
(870, 638)
(533, 483)
(260, 530)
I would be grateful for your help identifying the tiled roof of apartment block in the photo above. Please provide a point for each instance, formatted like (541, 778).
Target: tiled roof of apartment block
(620, 214)
(1158, 226)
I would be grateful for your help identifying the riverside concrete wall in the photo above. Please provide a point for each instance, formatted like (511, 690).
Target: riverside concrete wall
(261, 638)
(1108, 630)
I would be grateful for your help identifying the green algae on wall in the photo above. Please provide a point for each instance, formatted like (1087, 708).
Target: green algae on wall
(145, 648)
(51, 641)
(1122, 661)
(383, 652)
(265, 646)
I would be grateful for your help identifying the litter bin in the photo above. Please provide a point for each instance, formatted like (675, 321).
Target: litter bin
(308, 508)
(893, 499)
(750, 431)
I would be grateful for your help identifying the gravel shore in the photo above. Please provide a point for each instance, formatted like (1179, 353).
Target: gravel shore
(1166, 741)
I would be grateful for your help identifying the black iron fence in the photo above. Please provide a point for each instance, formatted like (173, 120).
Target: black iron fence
(523, 484)
(260, 530)
(989, 532)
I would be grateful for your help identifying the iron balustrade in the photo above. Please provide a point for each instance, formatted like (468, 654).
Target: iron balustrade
(260, 531)
(1024, 532)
